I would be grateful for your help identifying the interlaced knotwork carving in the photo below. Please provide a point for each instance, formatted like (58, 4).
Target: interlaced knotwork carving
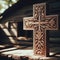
(39, 23)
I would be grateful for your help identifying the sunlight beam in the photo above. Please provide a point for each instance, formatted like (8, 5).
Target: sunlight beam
(14, 32)
(8, 34)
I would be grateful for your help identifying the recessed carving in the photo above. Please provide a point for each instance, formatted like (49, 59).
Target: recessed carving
(39, 23)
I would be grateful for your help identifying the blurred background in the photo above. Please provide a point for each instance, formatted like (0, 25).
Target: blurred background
(5, 4)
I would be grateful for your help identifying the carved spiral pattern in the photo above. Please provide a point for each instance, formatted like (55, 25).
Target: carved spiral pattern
(45, 23)
(39, 24)
(39, 40)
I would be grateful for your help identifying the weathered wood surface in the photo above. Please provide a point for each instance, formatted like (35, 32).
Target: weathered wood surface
(40, 23)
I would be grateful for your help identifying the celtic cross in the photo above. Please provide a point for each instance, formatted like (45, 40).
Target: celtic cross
(39, 23)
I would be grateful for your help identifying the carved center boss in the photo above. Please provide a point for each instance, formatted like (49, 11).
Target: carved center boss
(39, 23)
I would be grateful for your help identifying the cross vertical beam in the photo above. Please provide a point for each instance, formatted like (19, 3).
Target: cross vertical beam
(40, 23)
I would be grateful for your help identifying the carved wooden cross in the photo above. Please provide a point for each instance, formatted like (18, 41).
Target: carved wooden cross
(39, 23)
